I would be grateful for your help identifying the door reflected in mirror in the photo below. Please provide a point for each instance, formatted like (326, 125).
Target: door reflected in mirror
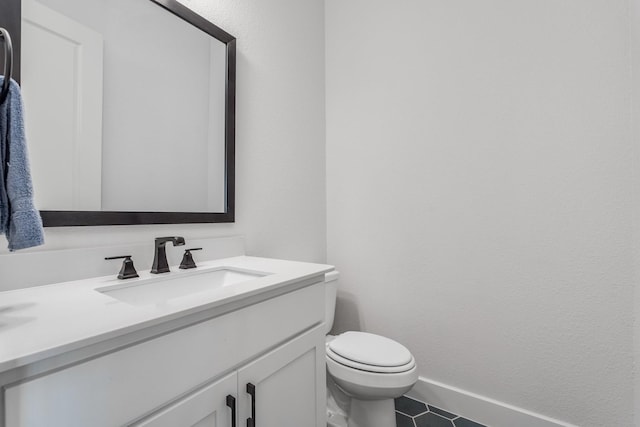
(125, 108)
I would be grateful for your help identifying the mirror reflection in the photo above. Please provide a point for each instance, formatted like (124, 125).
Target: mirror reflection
(125, 107)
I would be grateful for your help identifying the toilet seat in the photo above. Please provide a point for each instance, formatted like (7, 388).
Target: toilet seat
(370, 353)
(368, 385)
(369, 368)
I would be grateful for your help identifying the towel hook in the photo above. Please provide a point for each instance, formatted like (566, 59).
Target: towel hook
(8, 63)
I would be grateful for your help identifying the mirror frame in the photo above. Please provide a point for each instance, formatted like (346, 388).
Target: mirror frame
(97, 218)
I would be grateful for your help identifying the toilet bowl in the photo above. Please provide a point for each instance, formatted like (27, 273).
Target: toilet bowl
(365, 373)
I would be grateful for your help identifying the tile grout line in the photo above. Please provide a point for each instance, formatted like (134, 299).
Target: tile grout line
(444, 418)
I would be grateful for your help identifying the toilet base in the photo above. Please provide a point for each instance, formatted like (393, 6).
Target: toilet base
(372, 413)
(336, 420)
(337, 405)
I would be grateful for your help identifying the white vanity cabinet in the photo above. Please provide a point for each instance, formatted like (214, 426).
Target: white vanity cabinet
(183, 378)
(283, 388)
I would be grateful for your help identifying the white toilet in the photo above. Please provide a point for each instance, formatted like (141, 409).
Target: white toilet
(365, 373)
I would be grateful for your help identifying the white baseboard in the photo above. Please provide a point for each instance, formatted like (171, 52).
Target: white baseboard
(479, 408)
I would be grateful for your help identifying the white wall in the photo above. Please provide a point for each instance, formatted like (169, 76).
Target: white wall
(280, 167)
(479, 179)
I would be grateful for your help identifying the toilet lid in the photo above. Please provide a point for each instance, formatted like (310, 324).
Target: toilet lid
(370, 349)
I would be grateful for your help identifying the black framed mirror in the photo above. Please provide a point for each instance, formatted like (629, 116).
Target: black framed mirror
(186, 117)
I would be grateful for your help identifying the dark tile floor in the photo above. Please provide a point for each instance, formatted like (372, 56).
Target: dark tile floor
(413, 413)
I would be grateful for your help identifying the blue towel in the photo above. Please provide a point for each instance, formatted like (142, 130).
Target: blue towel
(20, 222)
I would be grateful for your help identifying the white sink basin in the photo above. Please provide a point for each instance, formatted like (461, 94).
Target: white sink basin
(177, 285)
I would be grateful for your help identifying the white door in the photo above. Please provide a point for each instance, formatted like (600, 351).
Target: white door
(62, 88)
(211, 406)
(285, 387)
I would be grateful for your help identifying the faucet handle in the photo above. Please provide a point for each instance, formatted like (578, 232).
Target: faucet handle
(187, 259)
(128, 270)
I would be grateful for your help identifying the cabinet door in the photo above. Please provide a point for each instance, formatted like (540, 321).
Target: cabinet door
(288, 383)
(207, 407)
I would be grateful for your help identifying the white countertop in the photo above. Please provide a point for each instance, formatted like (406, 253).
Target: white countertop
(45, 321)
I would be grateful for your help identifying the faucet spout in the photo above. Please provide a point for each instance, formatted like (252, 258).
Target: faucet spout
(160, 264)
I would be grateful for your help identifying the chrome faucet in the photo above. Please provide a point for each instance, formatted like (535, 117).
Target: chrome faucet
(160, 264)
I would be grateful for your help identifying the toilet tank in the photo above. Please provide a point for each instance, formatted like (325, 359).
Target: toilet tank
(330, 295)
